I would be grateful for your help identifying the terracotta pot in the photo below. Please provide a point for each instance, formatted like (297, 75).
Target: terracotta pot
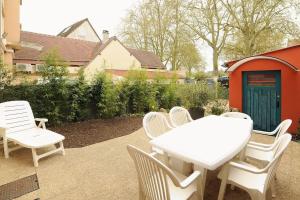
(197, 113)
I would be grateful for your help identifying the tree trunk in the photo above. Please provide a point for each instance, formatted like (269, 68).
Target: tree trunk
(215, 61)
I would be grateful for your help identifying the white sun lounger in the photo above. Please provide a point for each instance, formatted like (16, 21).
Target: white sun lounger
(17, 125)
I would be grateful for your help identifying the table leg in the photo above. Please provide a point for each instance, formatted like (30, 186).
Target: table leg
(242, 155)
(201, 182)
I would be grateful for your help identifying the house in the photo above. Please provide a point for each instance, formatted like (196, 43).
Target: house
(82, 30)
(9, 29)
(90, 53)
(267, 87)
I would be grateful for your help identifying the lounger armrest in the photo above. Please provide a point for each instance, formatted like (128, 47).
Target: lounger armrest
(245, 167)
(42, 122)
(259, 144)
(190, 179)
(41, 119)
(2, 130)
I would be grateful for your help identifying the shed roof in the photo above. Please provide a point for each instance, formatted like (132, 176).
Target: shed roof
(245, 60)
(284, 55)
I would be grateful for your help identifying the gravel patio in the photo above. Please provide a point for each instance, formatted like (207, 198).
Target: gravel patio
(105, 171)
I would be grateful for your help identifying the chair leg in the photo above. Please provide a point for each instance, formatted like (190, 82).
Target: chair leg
(273, 188)
(5, 147)
(35, 157)
(61, 145)
(222, 189)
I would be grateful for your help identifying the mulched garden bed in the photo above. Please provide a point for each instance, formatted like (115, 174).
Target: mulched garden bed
(89, 132)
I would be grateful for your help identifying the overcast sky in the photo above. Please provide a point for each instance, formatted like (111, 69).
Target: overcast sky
(52, 16)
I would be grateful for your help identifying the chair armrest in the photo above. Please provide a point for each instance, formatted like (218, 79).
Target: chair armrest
(190, 179)
(265, 132)
(259, 144)
(41, 119)
(245, 167)
(266, 149)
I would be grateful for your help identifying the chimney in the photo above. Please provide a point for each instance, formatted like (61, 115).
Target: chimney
(105, 35)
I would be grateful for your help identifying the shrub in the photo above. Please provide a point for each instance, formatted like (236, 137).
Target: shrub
(105, 96)
(137, 94)
(165, 92)
(194, 95)
(200, 76)
(221, 92)
(5, 75)
(55, 68)
(78, 99)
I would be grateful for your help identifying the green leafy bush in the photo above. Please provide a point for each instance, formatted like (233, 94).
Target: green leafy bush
(221, 92)
(105, 96)
(165, 92)
(194, 95)
(78, 99)
(137, 94)
(5, 75)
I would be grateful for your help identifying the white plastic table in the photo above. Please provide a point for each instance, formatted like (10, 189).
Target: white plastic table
(208, 142)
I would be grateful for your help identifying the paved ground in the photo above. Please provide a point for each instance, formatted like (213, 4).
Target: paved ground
(105, 171)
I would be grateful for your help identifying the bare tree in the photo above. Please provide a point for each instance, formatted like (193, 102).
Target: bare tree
(157, 25)
(209, 21)
(257, 26)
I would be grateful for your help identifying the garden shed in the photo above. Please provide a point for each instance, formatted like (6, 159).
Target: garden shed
(267, 87)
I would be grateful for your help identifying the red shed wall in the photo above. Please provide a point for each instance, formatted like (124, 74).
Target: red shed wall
(290, 83)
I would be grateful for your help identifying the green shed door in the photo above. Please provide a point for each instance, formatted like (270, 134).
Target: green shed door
(261, 98)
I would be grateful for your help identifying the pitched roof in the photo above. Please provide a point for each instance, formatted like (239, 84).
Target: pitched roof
(75, 52)
(147, 59)
(68, 30)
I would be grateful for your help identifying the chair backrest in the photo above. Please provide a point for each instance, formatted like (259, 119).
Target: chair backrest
(179, 116)
(16, 116)
(282, 128)
(236, 115)
(271, 168)
(155, 124)
(152, 175)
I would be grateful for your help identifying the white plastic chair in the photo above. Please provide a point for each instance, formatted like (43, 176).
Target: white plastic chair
(158, 182)
(236, 115)
(17, 125)
(250, 178)
(155, 124)
(265, 152)
(179, 116)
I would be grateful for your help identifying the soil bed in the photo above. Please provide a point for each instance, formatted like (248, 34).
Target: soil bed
(80, 134)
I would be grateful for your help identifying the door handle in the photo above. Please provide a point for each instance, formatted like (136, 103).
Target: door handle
(277, 101)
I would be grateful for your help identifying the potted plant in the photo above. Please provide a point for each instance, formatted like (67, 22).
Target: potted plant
(194, 97)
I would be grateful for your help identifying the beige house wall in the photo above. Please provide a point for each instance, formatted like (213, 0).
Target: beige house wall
(114, 56)
(10, 25)
(12, 21)
(84, 32)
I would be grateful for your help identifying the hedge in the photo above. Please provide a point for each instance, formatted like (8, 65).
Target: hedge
(61, 100)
